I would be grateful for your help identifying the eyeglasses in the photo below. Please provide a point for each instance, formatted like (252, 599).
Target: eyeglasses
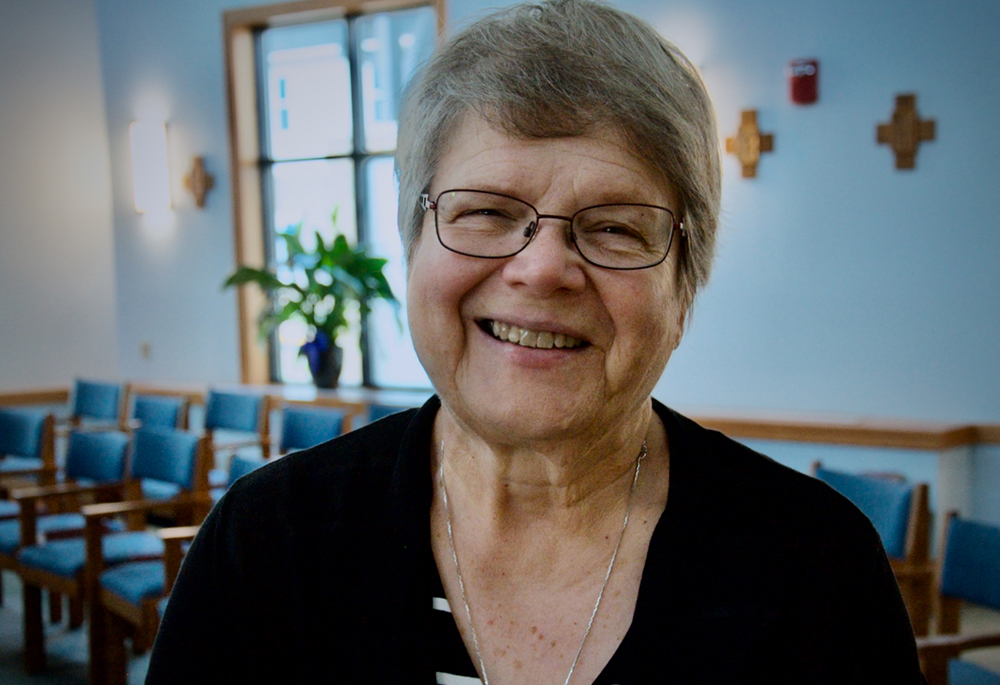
(477, 223)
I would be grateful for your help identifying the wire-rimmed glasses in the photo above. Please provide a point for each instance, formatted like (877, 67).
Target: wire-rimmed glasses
(478, 223)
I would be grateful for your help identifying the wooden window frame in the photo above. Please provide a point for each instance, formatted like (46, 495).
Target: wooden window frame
(239, 26)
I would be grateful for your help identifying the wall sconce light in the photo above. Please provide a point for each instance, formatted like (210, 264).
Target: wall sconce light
(150, 171)
(199, 181)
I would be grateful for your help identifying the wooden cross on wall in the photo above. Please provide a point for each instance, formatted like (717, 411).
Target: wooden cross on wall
(749, 142)
(906, 131)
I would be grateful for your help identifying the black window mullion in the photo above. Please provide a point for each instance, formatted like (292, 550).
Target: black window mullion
(359, 157)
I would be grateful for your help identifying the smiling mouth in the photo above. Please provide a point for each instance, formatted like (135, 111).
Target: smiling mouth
(527, 338)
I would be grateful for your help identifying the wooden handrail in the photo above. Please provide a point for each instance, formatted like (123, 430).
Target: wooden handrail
(830, 430)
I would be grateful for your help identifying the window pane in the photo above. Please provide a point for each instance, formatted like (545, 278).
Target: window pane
(310, 193)
(391, 47)
(307, 90)
(393, 361)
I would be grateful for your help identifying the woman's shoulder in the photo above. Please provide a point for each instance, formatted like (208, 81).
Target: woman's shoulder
(710, 469)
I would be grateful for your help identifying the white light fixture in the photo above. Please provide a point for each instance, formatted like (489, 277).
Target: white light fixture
(150, 173)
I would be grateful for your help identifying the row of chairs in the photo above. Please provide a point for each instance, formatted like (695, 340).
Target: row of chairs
(80, 532)
(968, 570)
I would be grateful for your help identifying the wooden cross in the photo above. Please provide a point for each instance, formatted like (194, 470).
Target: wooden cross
(906, 131)
(198, 181)
(749, 142)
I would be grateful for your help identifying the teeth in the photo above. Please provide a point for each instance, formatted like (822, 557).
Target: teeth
(539, 339)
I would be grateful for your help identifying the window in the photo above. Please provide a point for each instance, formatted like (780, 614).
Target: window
(314, 106)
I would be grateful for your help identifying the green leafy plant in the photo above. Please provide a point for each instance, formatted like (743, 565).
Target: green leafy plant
(321, 285)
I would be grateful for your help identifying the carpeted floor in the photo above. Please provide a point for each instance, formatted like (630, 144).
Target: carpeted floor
(66, 650)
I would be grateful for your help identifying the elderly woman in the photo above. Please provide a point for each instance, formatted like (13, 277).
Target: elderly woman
(542, 519)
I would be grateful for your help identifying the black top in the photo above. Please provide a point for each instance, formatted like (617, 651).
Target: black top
(318, 568)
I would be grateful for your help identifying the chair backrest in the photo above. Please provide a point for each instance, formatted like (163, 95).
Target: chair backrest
(170, 457)
(97, 457)
(239, 467)
(233, 411)
(380, 411)
(886, 503)
(970, 568)
(304, 427)
(23, 432)
(97, 401)
(155, 411)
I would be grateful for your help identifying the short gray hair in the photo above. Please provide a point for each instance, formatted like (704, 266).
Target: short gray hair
(563, 68)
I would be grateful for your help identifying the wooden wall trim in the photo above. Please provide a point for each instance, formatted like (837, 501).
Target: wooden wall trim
(917, 435)
(34, 396)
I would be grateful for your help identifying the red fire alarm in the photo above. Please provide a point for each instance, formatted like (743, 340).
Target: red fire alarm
(803, 81)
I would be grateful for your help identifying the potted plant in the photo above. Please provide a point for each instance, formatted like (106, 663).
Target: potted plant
(321, 284)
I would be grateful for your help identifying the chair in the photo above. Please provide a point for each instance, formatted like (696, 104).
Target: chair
(132, 596)
(238, 412)
(27, 448)
(91, 458)
(97, 406)
(159, 411)
(173, 461)
(380, 411)
(970, 571)
(901, 515)
(304, 427)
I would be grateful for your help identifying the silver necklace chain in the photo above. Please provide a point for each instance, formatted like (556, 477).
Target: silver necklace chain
(600, 595)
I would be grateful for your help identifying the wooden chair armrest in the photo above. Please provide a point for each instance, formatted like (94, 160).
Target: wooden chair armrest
(179, 533)
(99, 511)
(936, 650)
(63, 490)
(956, 643)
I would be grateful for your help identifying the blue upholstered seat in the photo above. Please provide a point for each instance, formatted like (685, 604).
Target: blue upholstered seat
(158, 489)
(161, 606)
(96, 457)
(96, 401)
(9, 509)
(20, 463)
(135, 581)
(165, 455)
(21, 432)
(971, 568)
(238, 467)
(153, 411)
(10, 530)
(884, 502)
(67, 557)
(305, 427)
(961, 672)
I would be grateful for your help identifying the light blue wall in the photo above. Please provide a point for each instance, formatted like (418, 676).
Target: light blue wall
(842, 285)
(57, 285)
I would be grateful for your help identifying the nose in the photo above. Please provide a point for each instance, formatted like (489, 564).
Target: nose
(550, 261)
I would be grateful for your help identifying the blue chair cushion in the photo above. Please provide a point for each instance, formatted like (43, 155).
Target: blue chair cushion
(165, 454)
(157, 489)
(10, 530)
(161, 606)
(971, 569)
(21, 432)
(380, 411)
(239, 467)
(19, 463)
(67, 557)
(157, 412)
(304, 427)
(96, 400)
(885, 503)
(135, 581)
(218, 478)
(97, 457)
(232, 411)
(962, 672)
(9, 508)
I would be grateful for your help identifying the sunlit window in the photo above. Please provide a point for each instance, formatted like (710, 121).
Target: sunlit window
(328, 108)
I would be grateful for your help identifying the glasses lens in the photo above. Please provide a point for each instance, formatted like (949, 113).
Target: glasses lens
(482, 224)
(623, 236)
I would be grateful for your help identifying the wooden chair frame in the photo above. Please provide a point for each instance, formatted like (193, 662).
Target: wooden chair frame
(112, 618)
(127, 494)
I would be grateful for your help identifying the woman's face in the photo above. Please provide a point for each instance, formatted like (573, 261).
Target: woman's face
(628, 322)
